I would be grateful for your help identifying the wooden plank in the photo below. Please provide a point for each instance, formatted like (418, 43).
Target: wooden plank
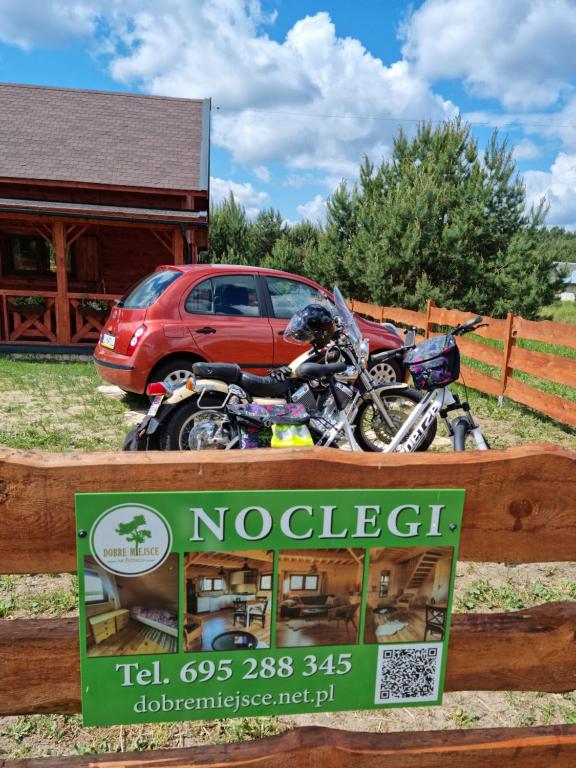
(545, 330)
(477, 380)
(405, 316)
(313, 746)
(371, 310)
(509, 342)
(39, 661)
(529, 516)
(496, 328)
(550, 367)
(478, 351)
(394, 314)
(556, 407)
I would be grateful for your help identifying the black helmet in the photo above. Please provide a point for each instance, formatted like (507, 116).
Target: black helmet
(313, 324)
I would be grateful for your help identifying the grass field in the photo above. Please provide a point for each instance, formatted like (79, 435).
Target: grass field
(57, 407)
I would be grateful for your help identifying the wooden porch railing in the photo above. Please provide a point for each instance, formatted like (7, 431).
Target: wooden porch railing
(518, 508)
(45, 326)
(511, 358)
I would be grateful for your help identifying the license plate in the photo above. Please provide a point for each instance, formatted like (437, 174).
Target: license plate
(156, 403)
(108, 340)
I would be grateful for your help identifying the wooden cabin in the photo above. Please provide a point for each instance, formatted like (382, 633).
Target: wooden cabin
(319, 597)
(96, 190)
(127, 615)
(408, 589)
(228, 600)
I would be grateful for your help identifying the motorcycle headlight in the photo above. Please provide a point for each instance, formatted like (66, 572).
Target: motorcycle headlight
(364, 352)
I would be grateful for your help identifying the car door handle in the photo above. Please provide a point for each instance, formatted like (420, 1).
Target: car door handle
(206, 329)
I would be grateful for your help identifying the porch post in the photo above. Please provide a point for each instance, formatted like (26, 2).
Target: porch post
(62, 308)
(177, 246)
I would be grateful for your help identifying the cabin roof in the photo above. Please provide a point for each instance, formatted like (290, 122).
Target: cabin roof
(104, 138)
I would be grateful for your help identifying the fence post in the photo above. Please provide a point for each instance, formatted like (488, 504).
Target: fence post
(427, 328)
(508, 344)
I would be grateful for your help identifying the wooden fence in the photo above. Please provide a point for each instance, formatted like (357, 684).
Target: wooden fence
(519, 507)
(561, 370)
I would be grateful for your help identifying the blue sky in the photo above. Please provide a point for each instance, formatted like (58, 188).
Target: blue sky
(303, 89)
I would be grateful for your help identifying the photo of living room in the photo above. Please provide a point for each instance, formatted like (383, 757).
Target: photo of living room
(408, 589)
(128, 615)
(228, 600)
(319, 595)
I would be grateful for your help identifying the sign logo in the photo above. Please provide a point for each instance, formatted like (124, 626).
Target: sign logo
(131, 539)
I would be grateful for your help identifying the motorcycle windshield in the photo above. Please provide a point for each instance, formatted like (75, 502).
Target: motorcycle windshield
(347, 318)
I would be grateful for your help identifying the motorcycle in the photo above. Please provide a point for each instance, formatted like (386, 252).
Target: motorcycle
(327, 391)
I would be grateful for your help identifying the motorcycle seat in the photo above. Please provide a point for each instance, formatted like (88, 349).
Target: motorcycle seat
(317, 370)
(263, 386)
(230, 373)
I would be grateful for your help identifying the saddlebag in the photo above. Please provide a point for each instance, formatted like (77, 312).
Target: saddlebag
(280, 426)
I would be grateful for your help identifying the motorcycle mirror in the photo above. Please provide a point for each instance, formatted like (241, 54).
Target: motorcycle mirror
(410, 337)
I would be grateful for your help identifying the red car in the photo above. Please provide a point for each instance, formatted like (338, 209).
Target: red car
(180, 315)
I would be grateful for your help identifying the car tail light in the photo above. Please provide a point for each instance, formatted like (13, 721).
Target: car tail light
(136, 336)
(156, 388)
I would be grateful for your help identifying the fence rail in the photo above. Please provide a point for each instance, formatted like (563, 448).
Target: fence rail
(518, 508)
(510, 358)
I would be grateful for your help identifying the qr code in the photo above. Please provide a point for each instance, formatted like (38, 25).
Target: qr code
(408, 673)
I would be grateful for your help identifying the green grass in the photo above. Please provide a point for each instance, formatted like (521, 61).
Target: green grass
(482, 594)
(53, 406)
(560, 312)
(50, 595)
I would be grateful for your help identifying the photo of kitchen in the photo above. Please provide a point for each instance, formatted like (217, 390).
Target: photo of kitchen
(408, 590)
(319, 596)
(129, 615)
(228, 600)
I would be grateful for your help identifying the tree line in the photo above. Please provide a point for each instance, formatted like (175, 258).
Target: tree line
(437, 220)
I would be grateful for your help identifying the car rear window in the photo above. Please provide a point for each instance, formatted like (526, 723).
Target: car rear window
(148, 290)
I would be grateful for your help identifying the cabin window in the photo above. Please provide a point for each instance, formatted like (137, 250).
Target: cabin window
(26, 255)
(94, 589)
(209, 584)
(266, 581)
(384, 583)
(303, 582)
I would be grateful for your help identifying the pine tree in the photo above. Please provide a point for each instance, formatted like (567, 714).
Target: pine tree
(438, 221)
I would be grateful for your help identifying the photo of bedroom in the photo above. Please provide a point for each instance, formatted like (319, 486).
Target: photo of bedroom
(228, 600)
(408, 589)
(127, 616)
(319, 595)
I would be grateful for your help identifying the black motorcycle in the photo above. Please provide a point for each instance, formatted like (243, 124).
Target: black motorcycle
(324, 397)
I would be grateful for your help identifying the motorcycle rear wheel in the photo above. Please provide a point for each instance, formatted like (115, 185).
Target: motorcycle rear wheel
(186, 428)
(373, 434)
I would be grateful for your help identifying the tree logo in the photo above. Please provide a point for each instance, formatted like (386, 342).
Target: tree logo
(130, 539)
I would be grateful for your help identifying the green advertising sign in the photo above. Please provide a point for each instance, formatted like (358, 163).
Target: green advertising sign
(231, 604)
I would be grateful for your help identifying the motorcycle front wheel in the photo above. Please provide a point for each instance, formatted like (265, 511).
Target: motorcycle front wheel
(191, 428)
(372, 433)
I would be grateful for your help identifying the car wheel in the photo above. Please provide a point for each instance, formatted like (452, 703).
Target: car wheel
(384, 371)
(173, 372)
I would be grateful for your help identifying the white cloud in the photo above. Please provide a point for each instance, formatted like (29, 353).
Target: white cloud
(521, 52)
(314, 210)
(262, 173)
(558, 187)
(244, 194)
(31, 23)
(526, 150)
(285, 99)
